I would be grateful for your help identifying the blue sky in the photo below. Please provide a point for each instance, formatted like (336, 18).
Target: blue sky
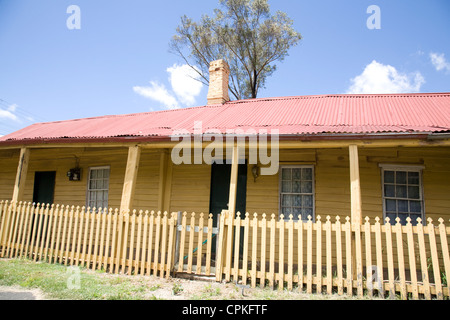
(118, 61)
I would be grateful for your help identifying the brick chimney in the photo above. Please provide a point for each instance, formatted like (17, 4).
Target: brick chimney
(219, 72)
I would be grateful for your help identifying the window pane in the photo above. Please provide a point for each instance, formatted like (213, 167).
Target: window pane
(389, 191)
(306, 186)
(297, 201)
(413, 178)
(391, 205)
(400, 177)
(287, 200)
(413, 192)
(307, 174)
(286, 186)
(389, 177)
(287, 211)
(286, 174)
(296, 187)
(307, 212)
(93, 174)
(297, 212)
(415, 206)
(402, 206)
(93, 185)
(307, 201)
(400, 191)
(296, 174)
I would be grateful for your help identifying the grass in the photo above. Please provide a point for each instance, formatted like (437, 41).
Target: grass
(66, 283)
(77, 283)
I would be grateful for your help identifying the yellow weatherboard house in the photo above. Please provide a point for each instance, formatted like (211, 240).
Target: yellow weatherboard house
(254, 190)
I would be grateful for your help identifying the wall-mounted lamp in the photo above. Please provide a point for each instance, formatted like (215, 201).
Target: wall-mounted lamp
(255, 172)
(74, 174)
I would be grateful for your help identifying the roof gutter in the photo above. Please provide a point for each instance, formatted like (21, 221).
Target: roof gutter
(167, 142)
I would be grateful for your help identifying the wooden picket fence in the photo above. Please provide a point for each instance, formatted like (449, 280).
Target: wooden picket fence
(325, 257)
(131, 243)
(374, 259)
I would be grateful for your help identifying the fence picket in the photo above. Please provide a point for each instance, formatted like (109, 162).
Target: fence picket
(272, 251)
(254, 252)
(138, 243)
(246, 236)
(262, 249)
(74, 236)
(131, 247)
(390, 258)
(445, 252)
(329, 256)
(309, 230)
(340, 278)
(26, 233)
(290, 270)
(281, 253)
(182, 243)
(348, 255)
(209, 245)
(378, 244)
(368, 248)
(20, 232)
(434, 260)
(191, 243)
(319, 254)
(300, 252)
(359, 263)
(157, 243)
(412, 258)
(103, 244)
(144, 255)
(150, 243)
(170, 248)
(237, 244)
(164, 244)
(423, 259)
(200, 244)
(400, 255)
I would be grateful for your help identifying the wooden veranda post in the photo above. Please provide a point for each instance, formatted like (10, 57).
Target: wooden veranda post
(356, 213)
(21, 176)
(355, 186)
(233, 181)
(129, 184)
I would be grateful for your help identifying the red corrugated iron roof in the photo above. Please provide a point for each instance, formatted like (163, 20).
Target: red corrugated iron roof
(292, 116)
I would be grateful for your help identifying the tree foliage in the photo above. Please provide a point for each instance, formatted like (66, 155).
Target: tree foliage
(245, 34)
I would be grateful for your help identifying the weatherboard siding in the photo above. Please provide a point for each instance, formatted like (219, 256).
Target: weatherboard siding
(190, 189)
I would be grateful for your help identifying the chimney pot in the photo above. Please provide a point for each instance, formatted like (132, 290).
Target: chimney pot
(219, 73)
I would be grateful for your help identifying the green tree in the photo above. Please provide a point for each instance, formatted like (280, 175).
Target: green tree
(245, 34)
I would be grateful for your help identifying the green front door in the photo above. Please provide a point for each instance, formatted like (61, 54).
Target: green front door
(44, 187)
(220, 190)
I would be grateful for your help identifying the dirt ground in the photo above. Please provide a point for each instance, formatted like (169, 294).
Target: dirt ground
(183, 289)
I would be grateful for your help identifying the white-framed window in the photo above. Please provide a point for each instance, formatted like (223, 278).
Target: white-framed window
(98, 186)
(297, 191)
(402, 193)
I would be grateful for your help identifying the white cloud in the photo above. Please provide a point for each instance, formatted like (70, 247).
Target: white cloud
(439, 62)
(9, 113)
(159, 93)
(380, 78)
(185, 84)
(185, 88)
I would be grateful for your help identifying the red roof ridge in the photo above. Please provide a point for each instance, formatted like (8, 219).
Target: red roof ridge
(229, 103)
